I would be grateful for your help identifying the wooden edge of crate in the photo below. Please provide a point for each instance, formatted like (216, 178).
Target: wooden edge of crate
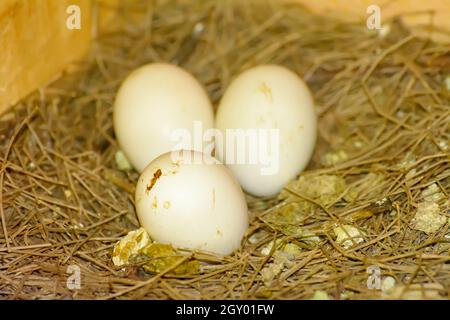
(38, 46)
(40, 40)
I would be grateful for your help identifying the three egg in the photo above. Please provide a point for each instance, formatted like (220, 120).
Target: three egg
(265, 135)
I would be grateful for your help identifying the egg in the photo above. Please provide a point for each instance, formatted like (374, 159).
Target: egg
(152, 103)
(193, 202)
(267, 125)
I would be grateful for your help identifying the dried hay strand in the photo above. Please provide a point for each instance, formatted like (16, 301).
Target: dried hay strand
(382, 154)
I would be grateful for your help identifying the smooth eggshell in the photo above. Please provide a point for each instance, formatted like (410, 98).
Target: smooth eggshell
(152, 102)
(192, 205)
(269, 97)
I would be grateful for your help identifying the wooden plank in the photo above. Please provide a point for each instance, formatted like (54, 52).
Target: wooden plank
(37, 45)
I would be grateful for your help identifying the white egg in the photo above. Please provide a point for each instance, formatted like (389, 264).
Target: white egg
(152, 103)
(195, 204)
(274, 110)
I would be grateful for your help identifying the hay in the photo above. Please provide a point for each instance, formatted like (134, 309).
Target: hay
(384, 129)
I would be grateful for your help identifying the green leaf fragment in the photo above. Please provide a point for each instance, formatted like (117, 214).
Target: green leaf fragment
(323, 189)
(348, 236)
(123, 164)
(160, 257)
(320, 295)
(332, 158)
(428, 218)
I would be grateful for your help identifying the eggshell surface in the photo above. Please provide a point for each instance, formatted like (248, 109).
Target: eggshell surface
(275, 105)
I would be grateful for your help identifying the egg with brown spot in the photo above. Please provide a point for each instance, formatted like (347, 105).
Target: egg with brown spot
(202, 206)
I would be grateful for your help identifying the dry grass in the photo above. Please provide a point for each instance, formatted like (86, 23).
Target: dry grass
(382, 101)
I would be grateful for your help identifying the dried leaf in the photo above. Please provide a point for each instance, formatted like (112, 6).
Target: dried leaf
(428, 218)
(160, 257)
(348, 236)
(129, 246)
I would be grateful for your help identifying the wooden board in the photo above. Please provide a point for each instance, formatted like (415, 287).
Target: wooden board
(37, 46)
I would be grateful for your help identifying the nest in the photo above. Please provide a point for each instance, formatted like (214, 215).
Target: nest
(372, 205)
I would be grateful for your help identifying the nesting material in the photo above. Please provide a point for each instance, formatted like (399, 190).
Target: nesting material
(334, 157)
(157, 258)
(433, 194)
(283, 257)
(427, 291)
(137, 249)
(324, 189)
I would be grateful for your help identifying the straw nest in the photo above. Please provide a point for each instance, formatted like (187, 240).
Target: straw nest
(374, 200)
